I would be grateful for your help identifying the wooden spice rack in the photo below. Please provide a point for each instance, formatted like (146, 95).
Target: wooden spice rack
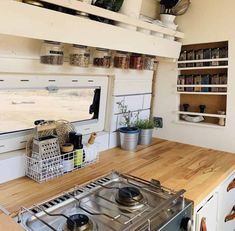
(204, 84)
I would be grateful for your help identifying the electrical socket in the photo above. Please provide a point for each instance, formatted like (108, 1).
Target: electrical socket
(158, 121)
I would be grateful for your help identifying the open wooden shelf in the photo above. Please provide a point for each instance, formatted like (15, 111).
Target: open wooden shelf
(44, 24)
(202, 60)
(214, 103)
(208, 82)
(203, 85)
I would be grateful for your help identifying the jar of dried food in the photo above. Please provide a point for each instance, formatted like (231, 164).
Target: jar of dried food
(136, 61)
(149, 62)
(102, 58)
(79, 56)
(121, 60)
(52, 53)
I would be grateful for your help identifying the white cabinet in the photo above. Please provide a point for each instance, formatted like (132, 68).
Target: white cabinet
(226, 204)
(206, 216)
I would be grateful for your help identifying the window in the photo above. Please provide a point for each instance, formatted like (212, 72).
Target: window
(81, 100)
(21, 107)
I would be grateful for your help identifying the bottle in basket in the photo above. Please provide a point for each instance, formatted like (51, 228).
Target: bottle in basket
(78, 148)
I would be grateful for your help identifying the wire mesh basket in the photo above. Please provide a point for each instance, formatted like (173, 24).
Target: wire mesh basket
(42, 170)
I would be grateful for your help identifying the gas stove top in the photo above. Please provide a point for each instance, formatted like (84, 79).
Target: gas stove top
(115, 202)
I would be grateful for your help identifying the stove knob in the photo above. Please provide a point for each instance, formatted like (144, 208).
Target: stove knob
(186, 224)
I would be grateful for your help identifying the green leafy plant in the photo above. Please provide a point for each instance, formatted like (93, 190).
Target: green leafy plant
(144, 124)
(128, 116)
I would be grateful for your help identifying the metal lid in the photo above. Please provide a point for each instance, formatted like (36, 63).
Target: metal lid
(79, 46)
(102, 49)
(52, 42)
(122, 52)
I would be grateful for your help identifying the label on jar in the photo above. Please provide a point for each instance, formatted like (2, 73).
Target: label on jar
(56, 52)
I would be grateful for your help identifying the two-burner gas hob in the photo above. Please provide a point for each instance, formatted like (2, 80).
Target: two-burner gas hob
(114, 202)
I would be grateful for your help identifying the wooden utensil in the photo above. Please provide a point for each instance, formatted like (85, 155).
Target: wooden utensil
(203, 224)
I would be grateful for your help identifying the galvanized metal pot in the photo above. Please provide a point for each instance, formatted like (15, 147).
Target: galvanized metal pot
(145, 136)
(129, 138)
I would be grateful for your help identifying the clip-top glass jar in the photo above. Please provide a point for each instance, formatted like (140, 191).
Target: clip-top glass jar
(102, 58)
(52, 53)
(149, 62)
(136, 61)
(79, 56)
(121, 60)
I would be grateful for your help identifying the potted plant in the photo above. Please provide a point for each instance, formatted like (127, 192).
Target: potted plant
(129, 134)
(146, 127)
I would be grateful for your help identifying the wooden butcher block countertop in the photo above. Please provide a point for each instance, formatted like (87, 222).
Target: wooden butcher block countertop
(178, 166)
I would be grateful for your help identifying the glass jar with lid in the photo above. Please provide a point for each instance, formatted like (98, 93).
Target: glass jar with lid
(121, 60)
(79, 56)
(102, 58)
(149, 62)
(136, 61)
(52, 53)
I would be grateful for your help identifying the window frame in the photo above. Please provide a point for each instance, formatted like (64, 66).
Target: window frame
(17, 140)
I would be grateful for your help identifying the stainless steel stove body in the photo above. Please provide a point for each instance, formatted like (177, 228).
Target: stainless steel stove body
(116, 202)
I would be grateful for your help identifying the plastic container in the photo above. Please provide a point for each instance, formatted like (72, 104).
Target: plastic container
(79, 56)
(149, 62)
(52, 53)
(136, 61)
(102, 58)
(121, 60)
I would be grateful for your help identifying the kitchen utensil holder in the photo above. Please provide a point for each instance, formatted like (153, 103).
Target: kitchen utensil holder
(42, 170)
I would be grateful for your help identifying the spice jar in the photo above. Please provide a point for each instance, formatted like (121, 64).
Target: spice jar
(52, 53)
(79, 56)
(121, 60)
(149, 62)
(67, 157)
(136, 61)
(102, 58)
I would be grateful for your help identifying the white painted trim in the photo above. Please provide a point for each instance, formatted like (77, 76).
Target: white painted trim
(204, 67)
(200, 93)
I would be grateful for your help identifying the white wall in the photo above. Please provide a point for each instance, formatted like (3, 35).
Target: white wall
(206, 21)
